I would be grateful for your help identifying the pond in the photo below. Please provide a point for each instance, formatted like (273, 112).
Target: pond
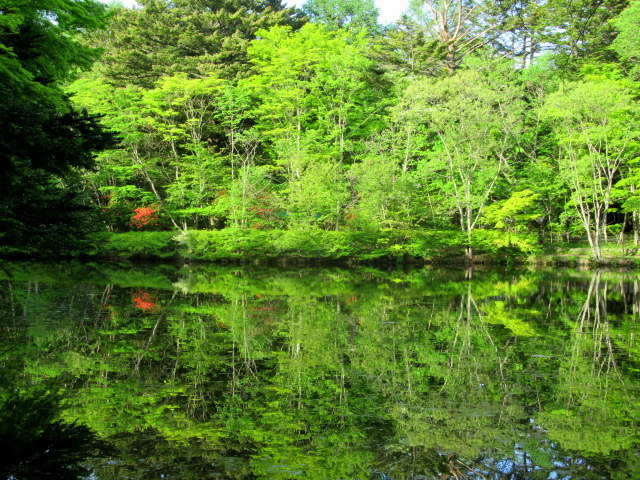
(227, 372)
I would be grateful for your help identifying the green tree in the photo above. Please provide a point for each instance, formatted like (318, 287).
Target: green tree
(595, 123)
(185, 36)
(627, 42)
(168, 156)
(314, 104)
(472, 126)
(350, 14)
(44, 140)
(181, 113)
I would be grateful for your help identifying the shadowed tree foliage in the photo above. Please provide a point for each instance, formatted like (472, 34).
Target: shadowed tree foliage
(38, 445)
(43, 139)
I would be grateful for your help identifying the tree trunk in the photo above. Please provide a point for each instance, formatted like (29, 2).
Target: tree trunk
(451, 57)
(152, 185)
(624, 224)
(468, 251)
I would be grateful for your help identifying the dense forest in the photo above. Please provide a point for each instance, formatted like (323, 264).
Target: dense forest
(472, 127)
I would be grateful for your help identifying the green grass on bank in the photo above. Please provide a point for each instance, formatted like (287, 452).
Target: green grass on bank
(312, 244)
(578, 252)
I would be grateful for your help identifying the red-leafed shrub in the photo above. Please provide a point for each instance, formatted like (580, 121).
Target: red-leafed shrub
(144, 216)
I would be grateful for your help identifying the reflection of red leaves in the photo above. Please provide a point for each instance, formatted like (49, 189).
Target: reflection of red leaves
(263, 312)
(263, 308)
(143, 301)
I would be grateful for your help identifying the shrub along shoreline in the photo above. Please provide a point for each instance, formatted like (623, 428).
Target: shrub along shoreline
(317, 246)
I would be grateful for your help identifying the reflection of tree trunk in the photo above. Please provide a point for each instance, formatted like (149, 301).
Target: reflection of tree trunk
(153, 333)
(247, 357)
(636, 298)
(593, 335)
(469, 321)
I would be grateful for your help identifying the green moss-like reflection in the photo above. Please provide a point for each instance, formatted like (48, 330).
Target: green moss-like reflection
(227, 372)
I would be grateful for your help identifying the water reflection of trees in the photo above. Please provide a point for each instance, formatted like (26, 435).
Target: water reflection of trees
(36, 444)
(341, 375)
(594, 408)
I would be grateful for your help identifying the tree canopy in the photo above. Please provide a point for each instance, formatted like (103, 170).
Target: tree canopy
(248, 115)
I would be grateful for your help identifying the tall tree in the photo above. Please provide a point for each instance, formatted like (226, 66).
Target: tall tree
(522, 29)
(42, 138)
(581, 28)
(315, 101)
(461, 26)
(196, 37)
(596, 124)
(472, 123)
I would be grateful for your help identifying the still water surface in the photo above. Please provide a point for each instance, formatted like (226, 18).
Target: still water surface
(210, 372)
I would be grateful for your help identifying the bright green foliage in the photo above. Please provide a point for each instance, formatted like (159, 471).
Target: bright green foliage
(473, 129)
(627, 42)
(596, 124)
(166, 131)
(180, 112)
(296, 243)
(514, 213)
(136, 244)
(385, 195)
(313, 98)
(513, 218)
(353, 15)
(312, 75)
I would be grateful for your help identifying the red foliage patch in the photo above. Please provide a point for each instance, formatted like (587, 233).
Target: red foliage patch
(143, 301)
(144, 216)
